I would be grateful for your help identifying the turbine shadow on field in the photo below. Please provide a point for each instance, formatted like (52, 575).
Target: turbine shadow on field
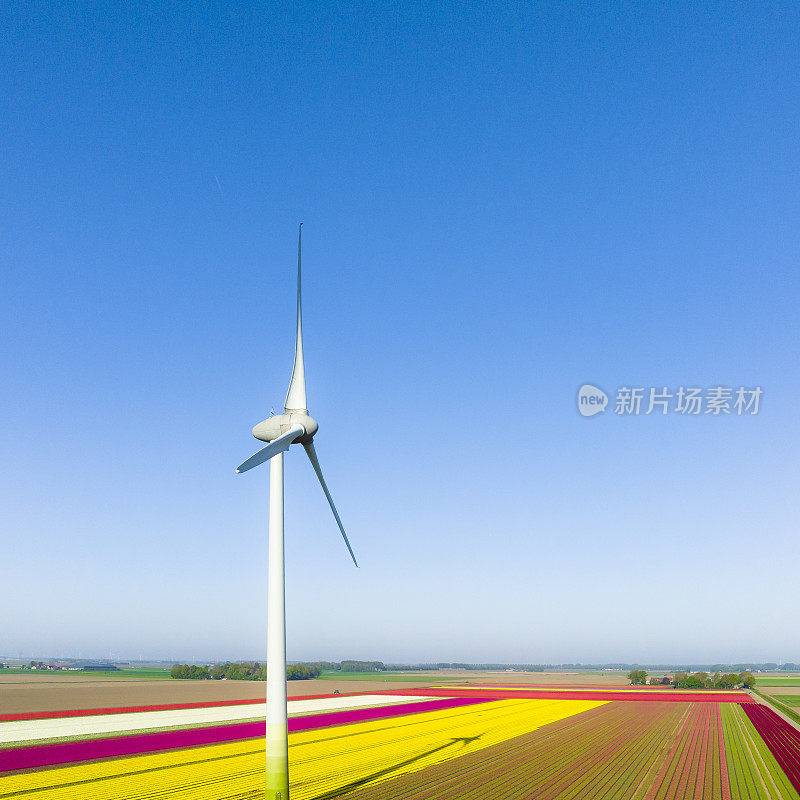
(465, 740)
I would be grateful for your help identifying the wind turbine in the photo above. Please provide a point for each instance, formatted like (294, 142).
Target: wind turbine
(294, 426)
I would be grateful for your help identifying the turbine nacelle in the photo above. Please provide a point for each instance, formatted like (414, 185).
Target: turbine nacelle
(273, 427)
(294, 426)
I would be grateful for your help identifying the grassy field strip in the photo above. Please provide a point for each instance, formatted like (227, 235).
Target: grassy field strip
(64, 728)
(59, 675)
(788, 699)
(754, 772)
(778, 681)
(321, 761)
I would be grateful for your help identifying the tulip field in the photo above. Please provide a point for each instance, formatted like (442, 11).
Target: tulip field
(453, 743)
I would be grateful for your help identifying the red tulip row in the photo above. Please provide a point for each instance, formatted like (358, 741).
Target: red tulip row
(782, 739)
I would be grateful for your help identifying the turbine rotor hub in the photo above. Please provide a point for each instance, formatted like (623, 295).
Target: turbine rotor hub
(273, 427)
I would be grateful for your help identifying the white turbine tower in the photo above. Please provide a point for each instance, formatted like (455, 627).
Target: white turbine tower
(282, 431)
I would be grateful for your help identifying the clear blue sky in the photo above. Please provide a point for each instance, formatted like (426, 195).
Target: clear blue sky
(500, 205)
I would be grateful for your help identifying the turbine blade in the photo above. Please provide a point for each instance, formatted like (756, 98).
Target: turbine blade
(312, 456)
(273, 448)
(296, 396)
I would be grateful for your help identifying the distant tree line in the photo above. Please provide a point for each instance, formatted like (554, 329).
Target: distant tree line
(410, 667)
(347, 666)
(189, 672)
(244, 671)
(696, 680)
(702, 680)
(361, 666)
(239, 671)
(688, 678)
(302, 672)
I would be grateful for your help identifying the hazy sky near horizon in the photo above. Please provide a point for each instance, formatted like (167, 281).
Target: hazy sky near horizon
(500, 204)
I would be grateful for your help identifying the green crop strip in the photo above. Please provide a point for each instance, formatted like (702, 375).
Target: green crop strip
(778, 681)
(743, 781)
(44, 674)
(754, 772)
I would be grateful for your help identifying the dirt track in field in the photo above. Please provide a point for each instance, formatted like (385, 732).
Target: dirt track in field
(33, 693)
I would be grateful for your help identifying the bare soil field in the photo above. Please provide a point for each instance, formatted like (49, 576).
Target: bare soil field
(23, 693)
(319, 686)
(555, 678)
(777, 690)
(29, 693)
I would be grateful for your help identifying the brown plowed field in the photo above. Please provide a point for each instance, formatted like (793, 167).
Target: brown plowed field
(28, 694)
(559, 678)
(32, 693)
